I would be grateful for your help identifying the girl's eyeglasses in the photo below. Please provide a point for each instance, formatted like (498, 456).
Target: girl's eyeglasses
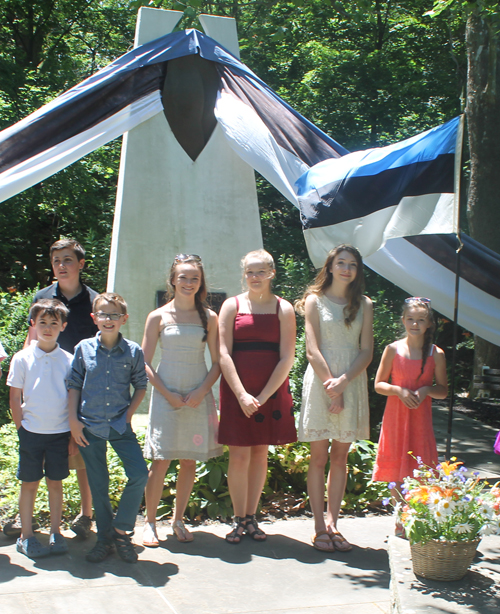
(184, 257)
(418, 299)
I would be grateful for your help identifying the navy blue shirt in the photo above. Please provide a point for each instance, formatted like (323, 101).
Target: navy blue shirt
(104, 377)
(80, 324)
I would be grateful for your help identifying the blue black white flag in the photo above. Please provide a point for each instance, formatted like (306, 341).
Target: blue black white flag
(368, 197)
(425, 265)
(262, 128)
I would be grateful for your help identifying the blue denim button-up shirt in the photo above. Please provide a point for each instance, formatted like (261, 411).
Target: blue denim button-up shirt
(104, 378)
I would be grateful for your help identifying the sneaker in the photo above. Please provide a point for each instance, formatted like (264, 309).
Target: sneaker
(125, 547)
(57, 544)
(100, 551)
(14, 529)
(31, 548)
(81, 525)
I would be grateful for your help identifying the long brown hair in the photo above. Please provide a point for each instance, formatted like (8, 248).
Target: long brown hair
(429, 333)
(201, 296)
(324, 280)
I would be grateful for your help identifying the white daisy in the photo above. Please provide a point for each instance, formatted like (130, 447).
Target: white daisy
(463, 527)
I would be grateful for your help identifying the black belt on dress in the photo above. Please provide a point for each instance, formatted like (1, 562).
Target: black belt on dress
(253, 346)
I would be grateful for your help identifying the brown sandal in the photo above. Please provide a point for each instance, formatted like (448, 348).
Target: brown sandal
(322, 537)
(339, 540)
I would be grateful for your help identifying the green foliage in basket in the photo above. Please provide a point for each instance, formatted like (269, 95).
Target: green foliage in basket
(444, 504)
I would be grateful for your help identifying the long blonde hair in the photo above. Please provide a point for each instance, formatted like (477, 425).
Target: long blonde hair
(324, 280)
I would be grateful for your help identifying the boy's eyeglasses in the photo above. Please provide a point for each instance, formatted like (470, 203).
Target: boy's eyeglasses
(100, 315)
(184, 257)
(418, 299)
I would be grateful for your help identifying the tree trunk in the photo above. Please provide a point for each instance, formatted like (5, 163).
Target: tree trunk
(483, 120)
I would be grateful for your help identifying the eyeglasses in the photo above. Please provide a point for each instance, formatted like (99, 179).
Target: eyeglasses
(418, 299)
(184, 257)
(100, 315)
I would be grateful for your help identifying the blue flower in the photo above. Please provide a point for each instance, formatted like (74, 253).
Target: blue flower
(419, 460)
(391, 485)
(463, 469)
(476, 473)
(386, 501)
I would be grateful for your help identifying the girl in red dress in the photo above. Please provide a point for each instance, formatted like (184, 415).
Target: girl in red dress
(412, 371)
(257, 349)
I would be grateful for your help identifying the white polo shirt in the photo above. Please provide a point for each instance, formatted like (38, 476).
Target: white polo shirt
(42, 378)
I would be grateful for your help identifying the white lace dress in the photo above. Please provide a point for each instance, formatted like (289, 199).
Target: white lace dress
(187, 432)
(340, 347)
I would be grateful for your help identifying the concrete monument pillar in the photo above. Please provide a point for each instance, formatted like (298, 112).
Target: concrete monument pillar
(167, 203)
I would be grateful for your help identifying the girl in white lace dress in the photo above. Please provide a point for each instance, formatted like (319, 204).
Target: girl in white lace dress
(182, 415)
(339, 345)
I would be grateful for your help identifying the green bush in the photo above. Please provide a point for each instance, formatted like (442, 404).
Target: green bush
(14, 309)
(9, 484)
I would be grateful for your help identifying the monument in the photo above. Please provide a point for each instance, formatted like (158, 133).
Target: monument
(181, 187)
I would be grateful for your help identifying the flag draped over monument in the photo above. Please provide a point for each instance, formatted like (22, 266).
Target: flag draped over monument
(367, 198)
(264, 130)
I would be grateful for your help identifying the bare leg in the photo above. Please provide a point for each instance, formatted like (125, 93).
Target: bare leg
(153, 492)
(85, 494)
(257, 474)
(154, 488)
(55, 504)
(237, 479)
(316, 482)
(27, 498)
(337, 477)
(185, 481)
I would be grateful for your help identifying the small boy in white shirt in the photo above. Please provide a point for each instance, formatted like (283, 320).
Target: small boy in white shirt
(39, 405)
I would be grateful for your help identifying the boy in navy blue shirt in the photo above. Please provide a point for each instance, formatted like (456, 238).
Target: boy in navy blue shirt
(100, 410)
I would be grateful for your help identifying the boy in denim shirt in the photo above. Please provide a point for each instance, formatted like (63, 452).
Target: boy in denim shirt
(100, 410)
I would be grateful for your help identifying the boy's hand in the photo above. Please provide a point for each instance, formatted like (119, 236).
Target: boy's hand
(72, 447)
(77, 433)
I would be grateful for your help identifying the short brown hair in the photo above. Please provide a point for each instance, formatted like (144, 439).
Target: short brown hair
(49, 307)
(68, 244)
(110, 297)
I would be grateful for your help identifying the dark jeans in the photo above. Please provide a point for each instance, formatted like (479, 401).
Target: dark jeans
(128, 450)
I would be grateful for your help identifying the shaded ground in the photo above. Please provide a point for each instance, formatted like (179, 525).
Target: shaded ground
(486, 411)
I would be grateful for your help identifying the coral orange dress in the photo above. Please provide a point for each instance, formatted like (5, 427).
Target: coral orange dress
(403, 429)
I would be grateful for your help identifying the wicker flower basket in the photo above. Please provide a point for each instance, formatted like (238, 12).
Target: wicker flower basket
(445, 561)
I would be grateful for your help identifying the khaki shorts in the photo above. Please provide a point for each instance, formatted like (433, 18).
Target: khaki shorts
(76, 462)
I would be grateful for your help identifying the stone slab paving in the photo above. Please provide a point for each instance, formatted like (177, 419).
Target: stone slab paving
(284, 575)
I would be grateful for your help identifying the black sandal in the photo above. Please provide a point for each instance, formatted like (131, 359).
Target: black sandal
(256, 533)
(125, 547)
(235, 536)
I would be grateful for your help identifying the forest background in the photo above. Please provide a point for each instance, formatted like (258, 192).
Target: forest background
(366, 72)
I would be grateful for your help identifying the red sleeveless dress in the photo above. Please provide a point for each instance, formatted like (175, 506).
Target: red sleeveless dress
(405, 429)
(256, 339)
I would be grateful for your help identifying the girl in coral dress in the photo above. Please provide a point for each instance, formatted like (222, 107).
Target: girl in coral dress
(412, 371)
